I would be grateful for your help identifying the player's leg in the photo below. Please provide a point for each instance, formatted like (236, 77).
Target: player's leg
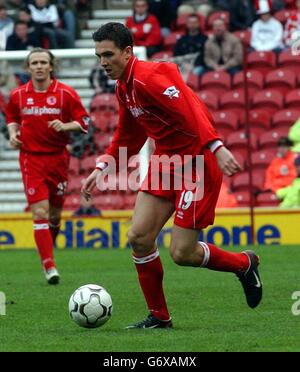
(150, 214)
(54, 221)
(43, 239)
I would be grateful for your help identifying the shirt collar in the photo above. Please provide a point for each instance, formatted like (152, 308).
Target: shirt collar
(52, 86)
(129, 68)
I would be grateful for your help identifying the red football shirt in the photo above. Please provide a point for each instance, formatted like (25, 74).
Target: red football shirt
(155, 102)
(32, 110)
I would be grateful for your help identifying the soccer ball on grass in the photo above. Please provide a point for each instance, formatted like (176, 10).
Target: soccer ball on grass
(90, 306)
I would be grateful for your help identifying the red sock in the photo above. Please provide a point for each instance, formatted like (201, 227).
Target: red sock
(217, 259)
(44, 243)
(150, 274)
(54, 230)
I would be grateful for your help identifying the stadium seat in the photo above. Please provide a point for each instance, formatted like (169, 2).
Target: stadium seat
(259, 121)
(170, 40)
(244, 36)
(255, 81)
(72, 202)
(261, 159)
(129, 201)
(242, 198)
(74, 166)
(268, 140)
(289, 4)
(164, 55)
(217, 82)
(74, 184)
(103, 201)
(193, 81)
(269, 100)
(226, 122)
(241, 182)
(292, 99)
(220, 14)
(282, 80)
(261, 61)
(286, 60)
(267, 199)
(233, 100)
(237, 142)
(104, 101)
(102, 141)
(210, 99)
(101, 120)
(282, 15)
(285, 118)
(88, 164)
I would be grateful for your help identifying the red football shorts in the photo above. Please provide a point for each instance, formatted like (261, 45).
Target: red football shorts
(45, 177)
(196, 200)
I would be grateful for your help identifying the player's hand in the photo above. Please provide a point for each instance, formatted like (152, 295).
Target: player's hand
(15, 141)
(57, 125)
(89, 184)
(227, 162)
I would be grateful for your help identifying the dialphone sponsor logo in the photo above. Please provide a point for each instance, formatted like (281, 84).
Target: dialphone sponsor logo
(165, 173)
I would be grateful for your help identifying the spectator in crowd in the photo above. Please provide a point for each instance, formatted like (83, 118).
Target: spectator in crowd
(66, 11)
(292, 26)
(281, 172)
(203, 7)
(100, 82)
(6, 26)
(294, 136)
(47, 16)
(145, 28)
(192, 42)
(242, 14)
(164, 12)
(86, 208)
(267, 31)
(226, 198)
(223, 51)
(7, 79)
(290, 195)
(22, 39)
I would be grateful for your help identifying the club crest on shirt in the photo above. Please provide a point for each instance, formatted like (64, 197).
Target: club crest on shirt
(172, 92)
(51, 100)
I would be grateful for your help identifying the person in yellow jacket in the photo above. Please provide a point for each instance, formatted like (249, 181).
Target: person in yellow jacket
(290, 195)
(294, 135)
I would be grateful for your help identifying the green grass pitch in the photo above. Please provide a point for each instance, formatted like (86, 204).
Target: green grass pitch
(208, 308)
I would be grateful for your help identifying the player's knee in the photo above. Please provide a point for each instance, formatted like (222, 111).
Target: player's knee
(140, 242)
(40, 213)
(178, 255)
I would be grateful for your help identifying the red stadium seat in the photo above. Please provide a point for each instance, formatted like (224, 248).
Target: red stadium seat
(104, 101)
(101, 120)
(244, 36)
(221, 14)
(242, 198)
(209, 98)
(282, 15)
(267, 199)
(226, 122)
(259, 121)
(261, 159)
(74, 184)
(234, 100)
(269, 100)
(88, 164)
(261, 61)
(292, 99)
(255, 81)
(74, 166)
(237, 142)
(170, 40)
(241, 182)
(218, 82)
(164, 55)
(282, 80)
(72, 202)
(102, 140)
(268, 140)
(289, 61)
(193, 81)
(285, 118)
(129, 201)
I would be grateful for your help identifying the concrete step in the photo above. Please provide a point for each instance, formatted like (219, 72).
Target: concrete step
(12, 197)
(85, 43)
(8, 187)
(86, 102)
(96, 23)
(10, 176)
(79, 73)
(9, 155)
(12, 207)
(112, 13)
(85, 93)
(9, 165)
(76, 82)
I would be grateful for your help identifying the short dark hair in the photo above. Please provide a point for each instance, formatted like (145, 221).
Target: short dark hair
(116, 32)
(284, 141)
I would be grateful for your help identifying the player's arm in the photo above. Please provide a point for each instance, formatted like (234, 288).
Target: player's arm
(13, 118)
(14, 133)
(59, 126)
(226, 160)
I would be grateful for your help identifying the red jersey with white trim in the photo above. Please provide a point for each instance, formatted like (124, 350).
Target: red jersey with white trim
(155, 102)
(32, 110)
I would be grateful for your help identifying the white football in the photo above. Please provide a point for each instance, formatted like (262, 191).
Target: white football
(90, 306)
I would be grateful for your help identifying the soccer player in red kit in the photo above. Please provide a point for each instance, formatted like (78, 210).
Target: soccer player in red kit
(39, 116)
(155, 102)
